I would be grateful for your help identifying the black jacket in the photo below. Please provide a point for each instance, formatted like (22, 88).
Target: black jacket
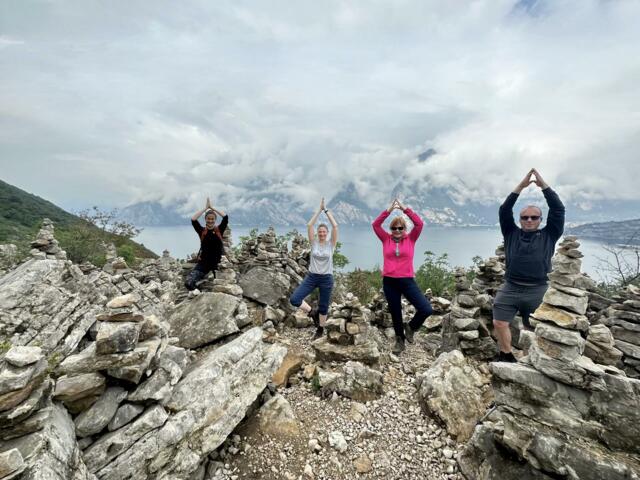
(528, 254)
(211, 247)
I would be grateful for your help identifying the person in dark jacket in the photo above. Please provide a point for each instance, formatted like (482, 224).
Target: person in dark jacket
(528, 252)
(211, 246)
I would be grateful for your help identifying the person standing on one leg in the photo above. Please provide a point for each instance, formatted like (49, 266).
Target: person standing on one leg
(528, 251)
(397, 273)
(320, 270)
(211, 246)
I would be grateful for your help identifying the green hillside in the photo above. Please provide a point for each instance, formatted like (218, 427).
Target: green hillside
(21, 214)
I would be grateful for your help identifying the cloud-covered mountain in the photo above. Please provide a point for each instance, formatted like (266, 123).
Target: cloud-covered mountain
(354, 206)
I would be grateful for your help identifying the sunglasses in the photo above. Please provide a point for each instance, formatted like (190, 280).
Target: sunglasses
(530, 217)
(397, 229)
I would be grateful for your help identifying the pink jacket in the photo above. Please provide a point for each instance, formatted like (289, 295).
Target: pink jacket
(398, 266)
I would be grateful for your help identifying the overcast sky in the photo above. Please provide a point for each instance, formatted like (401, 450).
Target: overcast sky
(112, 102)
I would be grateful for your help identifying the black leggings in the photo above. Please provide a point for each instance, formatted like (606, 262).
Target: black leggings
(197, 274)
(393, 289)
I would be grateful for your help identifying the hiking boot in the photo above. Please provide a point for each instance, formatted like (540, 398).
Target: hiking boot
(505, 357)
(318, 334)
(399, 346)
(508, 357)
(408, 333)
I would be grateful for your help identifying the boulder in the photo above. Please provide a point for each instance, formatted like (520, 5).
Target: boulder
(276, 418)
(117, 337)
(206, 405)
(66, 303)
(52, 452)
(455, 392)
(264, 285)
(204, 319)
(356, 381)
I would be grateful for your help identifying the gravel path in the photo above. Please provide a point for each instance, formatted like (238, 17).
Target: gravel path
(387, 438)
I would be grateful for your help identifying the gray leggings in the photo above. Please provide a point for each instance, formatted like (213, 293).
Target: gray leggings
(512, 298)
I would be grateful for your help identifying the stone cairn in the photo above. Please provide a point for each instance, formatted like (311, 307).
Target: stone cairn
(466, 327)
(268, 273)
(381, 316)
(114, 264)
(126, 369)
(45, 246)
(490, 274)
(25, 406)
(347, 336)
(263, 250)
(561, 326)
(624, 321)
(556, 409)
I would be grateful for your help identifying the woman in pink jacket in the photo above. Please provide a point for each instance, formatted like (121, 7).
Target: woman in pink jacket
(397, 273)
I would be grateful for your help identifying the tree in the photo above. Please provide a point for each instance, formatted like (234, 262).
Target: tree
(436, 273)
(108, 222)
(622, 266)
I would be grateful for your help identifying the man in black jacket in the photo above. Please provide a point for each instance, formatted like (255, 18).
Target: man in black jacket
(211, 246)
(528, 251)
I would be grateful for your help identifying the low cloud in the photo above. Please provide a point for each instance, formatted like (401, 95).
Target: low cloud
(117, 104)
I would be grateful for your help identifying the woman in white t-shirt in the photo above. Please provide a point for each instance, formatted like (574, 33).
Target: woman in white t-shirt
(320, 270)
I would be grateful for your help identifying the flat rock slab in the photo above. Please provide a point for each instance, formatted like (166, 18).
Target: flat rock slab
(23, 356)
(367, 353)
(96, 418)
(204, 319)
(89, 361)
(562, 318)
(72, 388)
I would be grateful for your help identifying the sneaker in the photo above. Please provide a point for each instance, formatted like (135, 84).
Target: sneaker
(408, 333)
(318, 334)
(399, 346)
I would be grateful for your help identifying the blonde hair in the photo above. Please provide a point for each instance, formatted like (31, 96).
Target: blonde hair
(397, 221)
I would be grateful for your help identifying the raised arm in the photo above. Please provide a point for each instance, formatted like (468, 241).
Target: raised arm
(555, 220)
(377, 223)
(225, 221)
(312, 222)
(334, 227)
(505, 213)
(199, 213)
(418, 224)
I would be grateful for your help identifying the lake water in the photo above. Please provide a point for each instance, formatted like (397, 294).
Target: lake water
(362, 247)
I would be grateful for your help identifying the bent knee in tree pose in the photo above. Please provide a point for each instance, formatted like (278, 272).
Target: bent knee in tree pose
(397, 273)
(320, 274)
(211, 245)
(528, 251)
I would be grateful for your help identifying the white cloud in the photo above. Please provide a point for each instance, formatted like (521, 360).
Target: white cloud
(119, 103)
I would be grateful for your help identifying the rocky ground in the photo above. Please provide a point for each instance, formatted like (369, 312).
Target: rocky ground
(387, 438)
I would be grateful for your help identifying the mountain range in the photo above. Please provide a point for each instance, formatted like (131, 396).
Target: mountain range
(437, 206)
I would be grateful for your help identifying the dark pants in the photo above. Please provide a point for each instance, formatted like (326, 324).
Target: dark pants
(393, 289)
(512, 298)
(324, 282)
(197, 274)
